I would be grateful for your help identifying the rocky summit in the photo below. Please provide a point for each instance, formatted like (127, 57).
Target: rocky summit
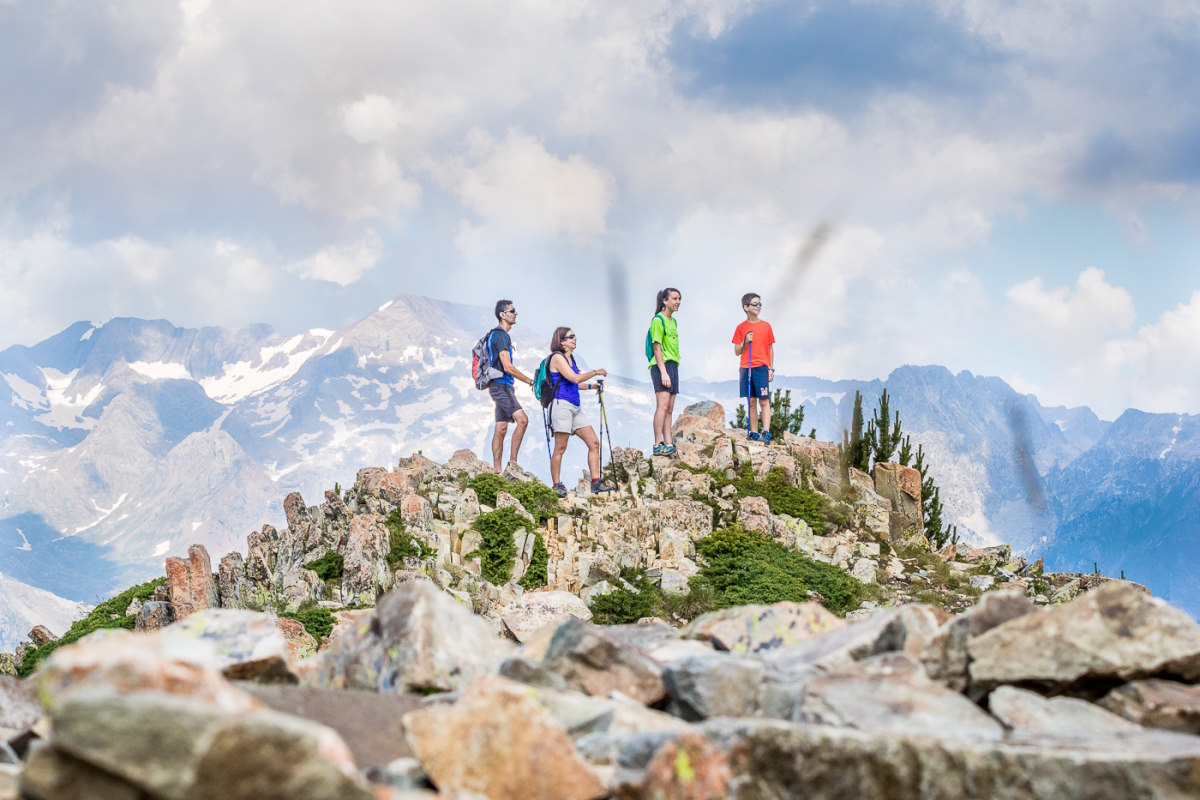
(741, 620)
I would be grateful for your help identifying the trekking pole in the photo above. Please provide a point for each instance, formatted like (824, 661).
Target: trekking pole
(749, 384)
(607, 433)
(546, 428)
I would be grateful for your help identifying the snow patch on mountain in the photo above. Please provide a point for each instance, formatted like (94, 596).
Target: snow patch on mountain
(25, 606)
(161, 370)
(274, 365)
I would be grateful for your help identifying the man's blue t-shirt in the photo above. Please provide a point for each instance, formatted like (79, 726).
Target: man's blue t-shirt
(501, 341)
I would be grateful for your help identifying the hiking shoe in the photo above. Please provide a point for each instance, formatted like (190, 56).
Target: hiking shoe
(658, 449)
(766, 437)
(668, 450)
(599, 486)
(560, 490)
(753, 436)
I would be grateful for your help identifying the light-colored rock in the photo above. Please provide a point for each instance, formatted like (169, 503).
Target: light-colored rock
(713, 685)
(182, 747)
(1155, 703)
(983, 582)
(1030, 714)
(533, 611)
(418, 639)
(300, 642)
(756, 629)
(864, 571)
(499, 741)
(595, 661)
(945, 655)
(365, 571)
(248, 645)
(154, 615)
(1114, 632)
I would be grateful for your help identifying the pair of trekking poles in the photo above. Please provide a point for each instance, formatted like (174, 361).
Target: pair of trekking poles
(605, 432)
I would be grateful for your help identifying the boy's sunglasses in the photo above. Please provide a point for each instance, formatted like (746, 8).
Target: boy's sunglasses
(755, 305)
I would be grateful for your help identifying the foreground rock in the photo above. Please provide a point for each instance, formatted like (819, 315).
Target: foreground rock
(418, 639)
(533, 611)
(1161, 704)
(1115, 633)
(499, 741)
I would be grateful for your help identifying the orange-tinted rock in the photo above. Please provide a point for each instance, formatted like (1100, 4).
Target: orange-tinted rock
(190, 583)
(687, 768)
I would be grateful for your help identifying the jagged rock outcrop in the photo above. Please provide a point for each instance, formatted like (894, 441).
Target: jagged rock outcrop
(190, 583)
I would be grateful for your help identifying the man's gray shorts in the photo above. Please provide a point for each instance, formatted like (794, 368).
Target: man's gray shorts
(505, 397)
(566, 417)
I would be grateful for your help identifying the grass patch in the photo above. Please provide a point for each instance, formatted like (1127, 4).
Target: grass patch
(624, 604)
(496, 549)
(537, 498)
(403, 544)
(535, 576)
(821, 513)
(316, 620)
(109, 614)
(328, 567)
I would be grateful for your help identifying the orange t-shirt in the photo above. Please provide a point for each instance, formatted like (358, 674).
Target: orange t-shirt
(764, 337)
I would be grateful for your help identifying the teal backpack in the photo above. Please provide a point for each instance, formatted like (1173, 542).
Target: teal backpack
(543, 386)
(650, 344)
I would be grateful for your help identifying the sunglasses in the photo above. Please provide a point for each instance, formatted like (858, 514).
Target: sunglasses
(512, 310)
(569, 336)
(754, 305)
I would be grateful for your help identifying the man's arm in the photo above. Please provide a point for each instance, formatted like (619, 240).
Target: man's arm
(511, 369)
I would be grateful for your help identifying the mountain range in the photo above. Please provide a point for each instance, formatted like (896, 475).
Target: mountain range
(126, 441)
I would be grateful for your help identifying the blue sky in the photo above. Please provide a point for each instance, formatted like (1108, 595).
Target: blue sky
(1008, 188)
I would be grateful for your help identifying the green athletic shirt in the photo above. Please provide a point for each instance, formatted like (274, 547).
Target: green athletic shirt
(667, 336)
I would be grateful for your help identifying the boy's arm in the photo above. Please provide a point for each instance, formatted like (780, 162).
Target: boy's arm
(771, 357)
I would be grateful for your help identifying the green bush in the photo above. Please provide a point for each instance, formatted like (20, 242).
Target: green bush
(328, 567)
(316, 620)
(623, 605)
(537, 498)
(743, 567)
(497, 549)
(403, 544)
(535, 576)
(109, 614)
(816, 509)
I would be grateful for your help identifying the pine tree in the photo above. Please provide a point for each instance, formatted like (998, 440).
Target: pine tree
(741, 422)
(906, 453)
(854, 445)
(844, 460)
(868, 447)
(783, 419)
(886, 439)
(931, 507)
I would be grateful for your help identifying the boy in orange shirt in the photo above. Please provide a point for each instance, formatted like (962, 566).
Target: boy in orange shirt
(754, 338)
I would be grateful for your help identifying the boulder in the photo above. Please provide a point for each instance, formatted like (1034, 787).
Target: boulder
(365, 571)
(466, 461)
(945, 655)
(466, 510)
(190, 583)
(183, 747)
(593, 660)
(300, 642)
(1113, 633)
(497, 740)
(19, 706)
(756, 629)
(154, 615)
(713, 685)
(8, 664)
(709, 410)
(231, 581)
(53, 775)
(533, 611)
(41, 635)
(1155, 703)
(418, 639)
(416, 511)
(247, 645)
(1030, 715)
(688, 767)
(685, 516)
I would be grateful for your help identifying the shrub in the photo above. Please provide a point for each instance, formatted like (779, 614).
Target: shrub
(535, 576)
(743, 567)
(109, 614)
(328, 567)
(403, 544)
(623, 605)
(497, 549)
(816, 509)
(316, 620)
(536, 497)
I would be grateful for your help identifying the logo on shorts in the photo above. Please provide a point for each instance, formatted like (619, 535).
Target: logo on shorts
(763, 391)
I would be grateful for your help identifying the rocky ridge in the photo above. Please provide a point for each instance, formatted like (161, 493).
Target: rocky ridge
(437, 682)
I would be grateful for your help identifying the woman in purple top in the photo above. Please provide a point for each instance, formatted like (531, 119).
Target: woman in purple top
(566, 416)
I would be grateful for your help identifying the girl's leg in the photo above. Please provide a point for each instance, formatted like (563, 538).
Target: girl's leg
(592, 441)
(661, 401)
(670, 409)
(560, 447)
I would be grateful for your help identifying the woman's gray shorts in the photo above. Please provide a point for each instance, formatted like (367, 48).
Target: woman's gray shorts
(566, 417)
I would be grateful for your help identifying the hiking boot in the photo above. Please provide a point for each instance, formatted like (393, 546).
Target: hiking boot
(658, 449)
(668, 450)
(753, 436)
(766, 437)
(599, 486)
(560, 490)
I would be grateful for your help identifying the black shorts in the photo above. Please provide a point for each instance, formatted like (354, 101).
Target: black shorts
(672, 373)
(504, 395)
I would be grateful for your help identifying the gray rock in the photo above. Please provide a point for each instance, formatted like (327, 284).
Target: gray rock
(19, 706)
(1114, 632)
(1030, 715)
(182, 747)
(53, 775)
(232, 586)
(758, 629)
(419, 639)
(945, 654)
(154, 615)
(533, 611)
(714, 685)
(365, 571)
(1157, 703)
(595, 661)
(247, 644)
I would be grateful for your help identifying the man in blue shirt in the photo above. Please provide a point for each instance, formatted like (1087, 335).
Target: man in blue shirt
(502, 389)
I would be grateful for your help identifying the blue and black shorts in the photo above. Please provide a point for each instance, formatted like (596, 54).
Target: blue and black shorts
(754, 383)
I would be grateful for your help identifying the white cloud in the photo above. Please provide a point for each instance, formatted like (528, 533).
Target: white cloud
(1074, 318)
(371, 118)
(342, 264)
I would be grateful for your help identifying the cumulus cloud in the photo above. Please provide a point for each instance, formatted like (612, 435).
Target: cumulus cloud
(342, 264)
(1094, 309)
